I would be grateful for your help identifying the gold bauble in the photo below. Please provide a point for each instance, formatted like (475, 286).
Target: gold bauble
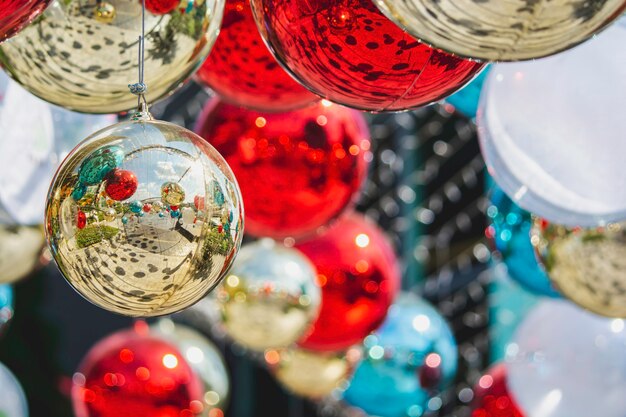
(82, 54)
(502, 30)
(143, 264)
(312, 374)
(588, 266)
(20, 251)
(270, 296)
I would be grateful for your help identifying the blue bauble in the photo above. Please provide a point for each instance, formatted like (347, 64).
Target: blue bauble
(414, 344)
(136, 207)
(79, 191)
(124, 220)
(6, 305)
(466, 100)
(175, 214)
(511, 230)
(97, 165)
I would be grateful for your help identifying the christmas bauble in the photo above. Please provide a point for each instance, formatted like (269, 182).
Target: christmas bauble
(270, 296)
(492, 397)
(311, 374)
(16, 14)
(466, 99)
(160, 7)
(150, 265)
(412, 355)
(510, 230)
(348, 52)
(20, 251)
(497, 30)
(33, 144)
(359, 276)
(242, 70)
(12, 398)
(203, 358)
(6, 305)
(588, 266)
(297, 170)
(550, 144)
(567, 362)
(81, 56)
(135, 374)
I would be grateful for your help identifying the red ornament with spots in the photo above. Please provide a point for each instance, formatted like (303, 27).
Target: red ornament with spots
(120, 184)
(81, 219)
(242, 70)
(492, 397)
(297, 170)
(359, 276)
(350, 53)
(16, 14)
(129, 374)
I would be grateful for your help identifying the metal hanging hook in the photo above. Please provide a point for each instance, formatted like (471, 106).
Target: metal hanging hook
(140, 88)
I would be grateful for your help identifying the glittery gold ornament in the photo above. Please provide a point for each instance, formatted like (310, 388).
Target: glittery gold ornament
(20, 251)
(312, 374)
(498, 30)
(81, 54)
(270, 297)
(205, 360)
(143, 264)
(587, 265)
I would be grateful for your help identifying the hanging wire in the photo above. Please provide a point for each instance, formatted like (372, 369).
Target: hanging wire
(140, 88)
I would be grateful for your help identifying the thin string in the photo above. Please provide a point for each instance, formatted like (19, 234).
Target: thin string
(140, 87)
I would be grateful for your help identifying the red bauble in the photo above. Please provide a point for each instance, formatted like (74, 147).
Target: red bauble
(81, 219)
(359, 275)
(242, 70)
(16, 14)
(147, 207)
(160, 7)
(348, 52)
(129, 375)
(120, 184)
(296, 170)
(491, 395)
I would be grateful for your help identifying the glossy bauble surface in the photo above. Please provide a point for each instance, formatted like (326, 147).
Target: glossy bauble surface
(588, 266)
(297, 170)
(129, 374)
(81, 54)
(270, 296)
(492, 397)
(242, 70)
(17, 14)
(138, 263)
(348, 52)
(359, 276)
(497, 30)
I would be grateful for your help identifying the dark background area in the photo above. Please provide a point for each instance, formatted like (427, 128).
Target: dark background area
(425, 190)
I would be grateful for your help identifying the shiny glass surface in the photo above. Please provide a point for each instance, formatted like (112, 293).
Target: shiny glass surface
(549, 134)
(16, 14)
(242, 70)
(588, 266)
(12, 398)
(359, 276)
(144, 263)
(297, 170)
(270, 297)
(81, 54)
(348, 52)
(503, 30)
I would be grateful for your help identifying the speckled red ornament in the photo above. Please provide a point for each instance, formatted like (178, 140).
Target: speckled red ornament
(491, 395)
(242, 70)
(120, 184)
(81, 219)
(161, 7)
(359, 276)
(296, 170)
(129, 374)
(16, 14)
(348, 52)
